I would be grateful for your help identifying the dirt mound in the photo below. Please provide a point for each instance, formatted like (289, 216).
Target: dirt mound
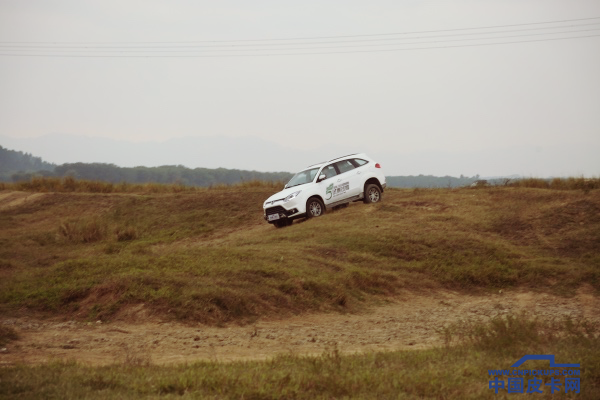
(572, 227)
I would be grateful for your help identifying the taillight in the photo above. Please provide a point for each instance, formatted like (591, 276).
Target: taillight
(377, 165)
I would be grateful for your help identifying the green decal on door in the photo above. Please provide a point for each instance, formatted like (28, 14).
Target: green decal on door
(329, 191)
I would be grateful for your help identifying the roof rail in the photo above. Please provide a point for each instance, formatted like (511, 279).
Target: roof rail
(333, 159)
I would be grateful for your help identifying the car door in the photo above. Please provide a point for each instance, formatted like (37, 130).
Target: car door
(327, 185)
(362, 172)
(347, 183)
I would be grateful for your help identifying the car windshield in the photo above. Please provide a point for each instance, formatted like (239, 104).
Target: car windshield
(303, 177)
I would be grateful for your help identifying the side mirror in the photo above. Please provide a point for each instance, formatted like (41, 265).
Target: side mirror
(322, 177)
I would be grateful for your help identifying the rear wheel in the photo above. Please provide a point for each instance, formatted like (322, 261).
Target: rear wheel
(372, 193)
(314, 207)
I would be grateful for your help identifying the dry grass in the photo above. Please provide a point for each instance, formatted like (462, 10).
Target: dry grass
(207, 255)
(7, 334)
(571, 183)
(452, 372)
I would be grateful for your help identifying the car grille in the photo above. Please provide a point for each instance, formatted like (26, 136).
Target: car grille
(276, 210)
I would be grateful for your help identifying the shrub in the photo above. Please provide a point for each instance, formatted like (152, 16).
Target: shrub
(84, 231)
(126, 233)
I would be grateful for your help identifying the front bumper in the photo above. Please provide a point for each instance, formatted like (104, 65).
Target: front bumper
(292, 209)
(282, 212)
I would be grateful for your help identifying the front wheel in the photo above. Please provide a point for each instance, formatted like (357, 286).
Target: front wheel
(314, 208)
(372, 193)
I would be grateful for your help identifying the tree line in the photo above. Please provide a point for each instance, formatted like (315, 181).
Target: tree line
(163, 174)
(16, 166)
(12, 162)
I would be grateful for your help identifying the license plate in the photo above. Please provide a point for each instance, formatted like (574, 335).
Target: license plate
(273, 217)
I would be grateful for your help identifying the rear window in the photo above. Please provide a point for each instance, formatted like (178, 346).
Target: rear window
(345, 166)
(329, 171)
(360, 162)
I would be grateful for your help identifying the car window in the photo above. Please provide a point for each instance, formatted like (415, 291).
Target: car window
(359, 162)
(329, 171)
(303, 177)
(344, 166)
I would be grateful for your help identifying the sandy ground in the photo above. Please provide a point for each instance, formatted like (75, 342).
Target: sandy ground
(412, 322)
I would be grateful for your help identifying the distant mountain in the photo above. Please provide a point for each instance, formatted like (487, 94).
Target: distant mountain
(12, 162)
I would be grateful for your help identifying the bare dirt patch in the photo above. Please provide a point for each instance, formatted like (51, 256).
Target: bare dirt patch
(411, 322)
(14, 199)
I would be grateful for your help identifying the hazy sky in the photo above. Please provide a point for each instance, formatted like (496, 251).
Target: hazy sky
(315, 75)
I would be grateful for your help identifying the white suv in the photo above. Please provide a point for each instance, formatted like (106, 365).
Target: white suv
(325, 185)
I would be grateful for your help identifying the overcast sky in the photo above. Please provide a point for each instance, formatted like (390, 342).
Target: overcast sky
(323, 76)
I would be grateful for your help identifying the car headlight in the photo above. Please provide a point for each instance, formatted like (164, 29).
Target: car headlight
(291, 196)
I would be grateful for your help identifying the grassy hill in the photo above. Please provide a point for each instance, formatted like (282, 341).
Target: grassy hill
(69, 250)
(207, 255)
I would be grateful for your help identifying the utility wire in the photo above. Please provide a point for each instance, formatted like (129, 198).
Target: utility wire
(293, 54)
(328, 37)
(187, 50)
(86, 47)
(281, 48)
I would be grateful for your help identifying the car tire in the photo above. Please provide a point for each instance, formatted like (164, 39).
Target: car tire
(372, 194)
(314, 207)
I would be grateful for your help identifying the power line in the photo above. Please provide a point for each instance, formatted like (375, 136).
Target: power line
(154, 50)
(293, 54)
(326, 37)
(282, 47)
(93, 47)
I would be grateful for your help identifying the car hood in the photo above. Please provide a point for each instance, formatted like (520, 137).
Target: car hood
(285, 193)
